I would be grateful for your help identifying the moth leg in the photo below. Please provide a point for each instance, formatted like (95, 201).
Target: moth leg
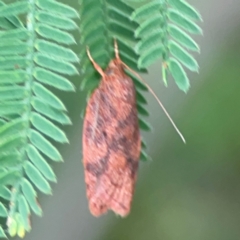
(95, 65)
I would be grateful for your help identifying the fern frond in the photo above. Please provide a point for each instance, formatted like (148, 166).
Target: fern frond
(164, 28)
(29, 112)
(112, 22)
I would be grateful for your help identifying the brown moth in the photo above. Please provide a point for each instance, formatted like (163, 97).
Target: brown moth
(111, 141)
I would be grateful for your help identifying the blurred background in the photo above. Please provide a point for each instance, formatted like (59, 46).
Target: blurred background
(187, 192)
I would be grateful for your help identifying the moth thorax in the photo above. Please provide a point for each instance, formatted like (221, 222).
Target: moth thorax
(114, 68)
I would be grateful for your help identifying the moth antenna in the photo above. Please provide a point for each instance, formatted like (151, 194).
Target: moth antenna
(159, 102)
(95, 65)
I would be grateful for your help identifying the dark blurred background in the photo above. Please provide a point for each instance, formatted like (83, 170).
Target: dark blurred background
(187, 192)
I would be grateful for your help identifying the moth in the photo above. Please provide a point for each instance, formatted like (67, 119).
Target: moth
(111, 140)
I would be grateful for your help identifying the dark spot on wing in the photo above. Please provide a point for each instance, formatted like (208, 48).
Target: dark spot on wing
(100, 122)
(97, 169)
(133, 166)
(88, 130)
(113, 111)
(130, 118)
(118, 143)
(105, 134)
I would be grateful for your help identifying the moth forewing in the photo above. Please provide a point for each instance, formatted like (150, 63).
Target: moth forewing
(111, 141)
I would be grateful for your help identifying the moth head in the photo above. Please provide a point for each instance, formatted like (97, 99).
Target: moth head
(115, 67)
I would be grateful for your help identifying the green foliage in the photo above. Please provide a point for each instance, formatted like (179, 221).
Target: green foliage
(164, 27)
(31, 58)
(36, 54)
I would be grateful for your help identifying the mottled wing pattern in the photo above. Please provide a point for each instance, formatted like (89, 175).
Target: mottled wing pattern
(111, 143)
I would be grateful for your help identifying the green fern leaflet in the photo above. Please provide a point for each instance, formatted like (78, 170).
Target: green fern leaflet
(31, 59)
(165, 28)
